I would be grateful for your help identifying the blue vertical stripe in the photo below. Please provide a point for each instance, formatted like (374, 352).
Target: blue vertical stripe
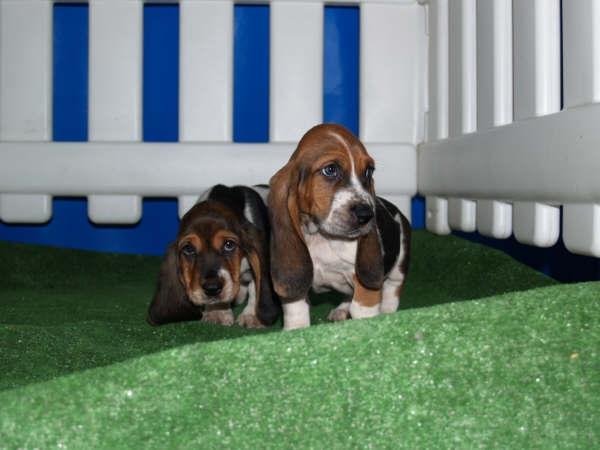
(251, 73)
(70, 65)
(161, 73)
(341, 66)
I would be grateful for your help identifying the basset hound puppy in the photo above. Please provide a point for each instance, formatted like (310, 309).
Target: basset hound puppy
(219, 258)
(330, 232)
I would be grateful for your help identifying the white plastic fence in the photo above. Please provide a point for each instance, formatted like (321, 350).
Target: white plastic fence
(510, 136)
(502, 154)
(115, 169)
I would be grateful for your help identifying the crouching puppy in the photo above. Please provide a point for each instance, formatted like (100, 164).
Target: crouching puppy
(330, 232)
(220, 258)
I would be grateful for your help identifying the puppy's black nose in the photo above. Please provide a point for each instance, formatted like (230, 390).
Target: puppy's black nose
(362, 212)
(212, 287)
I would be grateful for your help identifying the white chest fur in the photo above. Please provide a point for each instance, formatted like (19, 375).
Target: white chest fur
(333, 263)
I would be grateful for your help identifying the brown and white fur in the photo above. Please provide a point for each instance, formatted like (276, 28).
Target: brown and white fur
(330, 232)
(219, 258)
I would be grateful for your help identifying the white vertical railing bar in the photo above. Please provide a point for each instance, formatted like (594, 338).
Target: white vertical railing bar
(581, 52)
(205, 76)
(25, 94)
(392, 76)
(537, 92)
(296, 69)
(436, 208)
(115, 93)
(462, 214)
(581, 228)
(462, 67)
(581, 81)
(436, 215)
(536, 57)
(494, 218)
(206, 70)
(494, 97)
(438, 70)
(494, 63)
(536, 223)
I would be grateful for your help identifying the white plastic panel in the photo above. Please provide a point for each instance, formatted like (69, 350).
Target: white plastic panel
(25, 70)
(114, 209)
(494, 219)
(206, 70)
(536, 223)
(536, 57)
(437, 126)
(25, 208)
(494, 63)
(167, 169)
(462, 214)
(296, 69)
(462, 67)
(185, 203)
(115, 70)
(436, 215)
(552, 159)
(393, 53)
(581, 228)
(581, 51)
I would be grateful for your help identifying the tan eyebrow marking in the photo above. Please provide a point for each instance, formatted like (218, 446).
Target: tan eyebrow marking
(193, 239)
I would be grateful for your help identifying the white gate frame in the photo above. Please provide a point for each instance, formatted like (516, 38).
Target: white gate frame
(501, 154)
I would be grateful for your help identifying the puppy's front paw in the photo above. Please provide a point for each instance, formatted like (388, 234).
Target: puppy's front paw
(338, 314)
(219, 317)
(342, 312)
(249, 321)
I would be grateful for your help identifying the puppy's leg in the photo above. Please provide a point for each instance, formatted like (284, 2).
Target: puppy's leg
(218, 314)
(341, 312)
(391, 296)
(392, 286)
(248, 317)
(296, 314)
(242, 294)
(365, 302)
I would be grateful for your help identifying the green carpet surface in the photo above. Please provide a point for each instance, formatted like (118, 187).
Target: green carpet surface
(484, 352)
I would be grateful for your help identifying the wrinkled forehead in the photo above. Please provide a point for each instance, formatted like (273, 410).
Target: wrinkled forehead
(322, 146)
(207, 219)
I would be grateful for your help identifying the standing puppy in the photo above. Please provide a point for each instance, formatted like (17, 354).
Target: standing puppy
(330, 232)
(219, 258)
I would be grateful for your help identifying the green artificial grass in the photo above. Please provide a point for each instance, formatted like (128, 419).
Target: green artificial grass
(484, 352)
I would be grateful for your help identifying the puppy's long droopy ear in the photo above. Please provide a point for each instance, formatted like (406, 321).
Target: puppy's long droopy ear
(369, 260)
(170, 302)
(291, 266)
(267, 305)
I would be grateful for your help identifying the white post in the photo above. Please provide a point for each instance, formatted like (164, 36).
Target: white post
(25, 94)
(115, 94)
(581, 78)
(296, 69)
(205, 76)
(537, 93)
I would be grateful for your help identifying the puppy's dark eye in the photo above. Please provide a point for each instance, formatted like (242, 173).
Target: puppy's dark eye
(229, 246)
(188, 250)
(369, 172)
(331, 171)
